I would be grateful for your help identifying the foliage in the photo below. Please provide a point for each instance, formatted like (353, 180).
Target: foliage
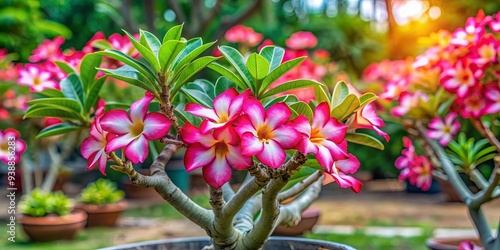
(39, 204)
(101, 192)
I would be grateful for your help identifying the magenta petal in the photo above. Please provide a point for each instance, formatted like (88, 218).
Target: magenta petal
(381, 133)
(348, 166)
(20, 148)
(156, 126)
(272, 154)
(217, 173)
(305, 146)
(201, 111)
(255, 111)
(236, 159)
(207, 125)
(321, 115)
(227, 134)
(191, 134)
(287, 136)
(198, 156)
(436, 123)
(90, 146)
(250, 144)
(346, 181)
(137, 150)
(434, 134)
(244, 125)
(119, 142)
(223, 101)
(277, 115)
(324, 158)
(338, 151)
(334, 131)
(302, 125)
(116, 122)
(237, 103)
(139, 108)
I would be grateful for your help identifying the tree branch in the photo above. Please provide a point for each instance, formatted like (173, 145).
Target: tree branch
(301, 186)
(486, 195)
(243, 221)
(227, 191)
(478, 179)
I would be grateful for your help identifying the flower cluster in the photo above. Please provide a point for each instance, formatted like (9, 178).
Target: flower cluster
(238, 128)
(417, 169)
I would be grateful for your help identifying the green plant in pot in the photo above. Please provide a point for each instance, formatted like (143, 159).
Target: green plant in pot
(50, 216)
(103, 202)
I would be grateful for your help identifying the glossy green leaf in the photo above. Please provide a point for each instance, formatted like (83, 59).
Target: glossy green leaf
(228, 73)
(120, 56)
(58, 102)
(192, 55)
(168, 51)
(257, 66)
(274, 55)
(93, 94)
(116, 105)
(130, 75)
(222, 85)
(321, 94)
(51, 93)
(101, 44)
(364, 139)
(150, 41)
(202, 85)
(88, 70)
(301, 108)
(339, 94)
(173, 33)
(234, 57)
(272, 100)
(367, 98)
(145, 52)
(56, 129)
(190, 71)
(71, 87)
(46, 111)
(279, 72)
(66, 67)
(290, 85)
(346, 108)
(196, 96)
(191, 45)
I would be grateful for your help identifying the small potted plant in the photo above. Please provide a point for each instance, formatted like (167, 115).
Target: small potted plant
(50, 216)
(103, 203)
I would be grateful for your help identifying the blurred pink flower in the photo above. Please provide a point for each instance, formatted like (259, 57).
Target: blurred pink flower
(47, 50)
(244, 35)
(36, 78)
(9, 139)
(443, 130)
(301, 40)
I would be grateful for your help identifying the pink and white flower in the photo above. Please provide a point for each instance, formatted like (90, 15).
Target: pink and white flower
(492, 93)
(417, 169)
(36, 78)
(443, 130)
(227, 108)
(340, 174)
(136, 129)
(325, 137)
(9, 139)
(264, 133)
(459, 78)
(215, 153)
(94, 147)
(48, 50)
(301, 40)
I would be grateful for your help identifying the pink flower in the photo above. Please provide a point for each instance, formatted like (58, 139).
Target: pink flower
(407, 155)
(443, 130)
(366, 117)
(325, 137)
(136, 129)
(48, 50)
(215, 153)
(474, 104)
(301, 40)
(322, 54)
(417, 169)
(468, 35)
(227, 107)
(492, 93)
(468, 245)
(94, 147)
(264, 133)
(460, 77)
(340, 171)
(495, 24)
(407, 101)
(36, 78)
(123, 44)
(11, 146)
(244, 35)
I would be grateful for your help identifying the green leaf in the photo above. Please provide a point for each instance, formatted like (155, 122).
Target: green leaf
(321, 95)
(257, 66)
(116, 105)
(346, 108)
(364, 139)
(88, 69)
(301, 108)
(101, 44)
(272, 100)
(71, 87)
(173, 33)
(51, 93)
(93, 94)
(130, 75)
(168, 51)
(190, 71)
(56, 129)
(339, 94)
(120, 56)
(46, 111)
(279, 72)
(202, 85)
(367, 98)
(191, 45)
(274, 55)
(66, 67)
(227, 73)
(150, 41)
(145, 52)
(234, 57)
(62, 103)
(196, 96)
(295, 84)
(192, 55)
(222, 85)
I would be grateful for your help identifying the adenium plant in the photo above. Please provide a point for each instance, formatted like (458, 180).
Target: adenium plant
(241, 122)
(438, 95)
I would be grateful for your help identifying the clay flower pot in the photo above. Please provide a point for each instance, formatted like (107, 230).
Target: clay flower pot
(103, 215)
(310, 217)
(53, 227)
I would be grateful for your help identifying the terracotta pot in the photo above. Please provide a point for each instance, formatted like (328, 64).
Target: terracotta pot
(139, 192)
(52, 227)
(310, 217)
(103, 215)
(450, 243)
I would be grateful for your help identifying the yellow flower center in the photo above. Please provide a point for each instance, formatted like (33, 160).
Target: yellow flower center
(137, 128)
(4, 147)
(446, 129)
(316, 136)
(221, 149)
(223, 118)
(264, 133)
(36, 81)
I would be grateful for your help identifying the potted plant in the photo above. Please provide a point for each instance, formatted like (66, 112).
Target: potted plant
(244, 121)
(102, 202)
(50, 216)
(452, 87)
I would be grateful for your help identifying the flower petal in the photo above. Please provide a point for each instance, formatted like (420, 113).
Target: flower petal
(156, 126)
(302, 125)
(348, 166)
(119, 142)
(90, 146)
(137, 151)
(321, 115)
(201, 111)
(191, 134)
(139, 108)
(251, 144)
(287, 136)
(255, 111)
(236, 159)
(237, 103)
(334, 131)
(305, 146)
(324, 158)
(217, 173)
(116, 122)
(272, 154)
(277, 115)
(198, 156)
(223, 101)
(228, 135)
(338, 151)
(244, 125)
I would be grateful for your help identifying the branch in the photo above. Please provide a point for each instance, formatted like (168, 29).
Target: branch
(226, 24)
(481, 224)
(227, 191)
(478, 179)
(486, 195)
(486, 132)
(301, 186)
(243, 221)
